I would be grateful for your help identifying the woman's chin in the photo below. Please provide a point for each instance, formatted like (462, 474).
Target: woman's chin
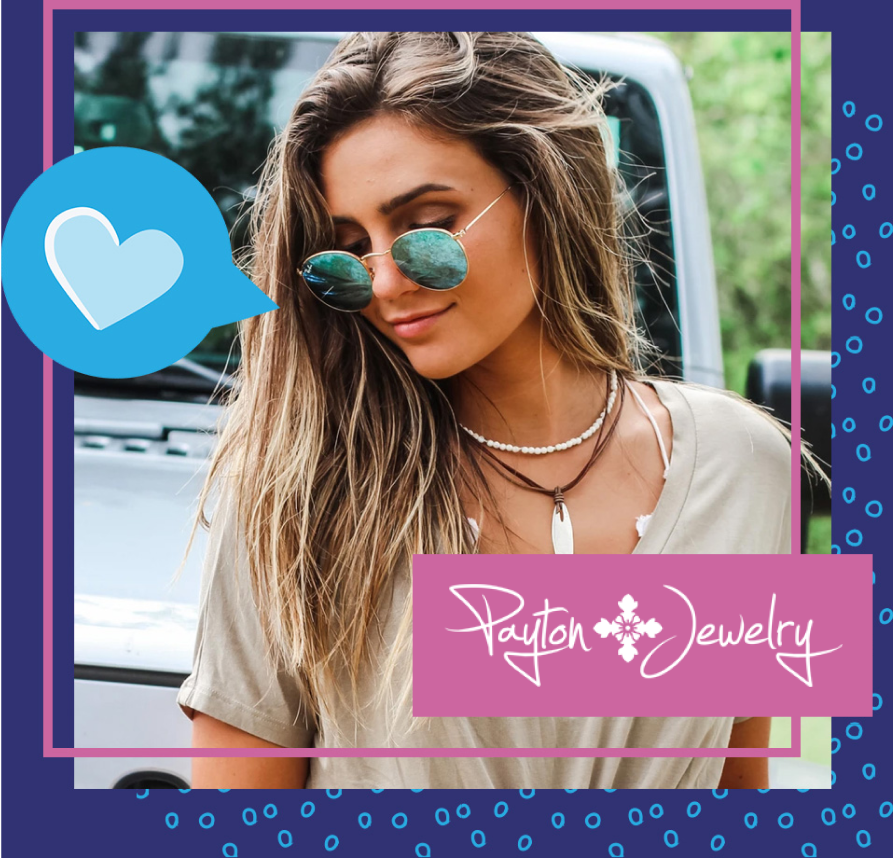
(437, 367)
(437, 372)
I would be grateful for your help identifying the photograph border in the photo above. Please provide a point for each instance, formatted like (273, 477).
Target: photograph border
(56, 42)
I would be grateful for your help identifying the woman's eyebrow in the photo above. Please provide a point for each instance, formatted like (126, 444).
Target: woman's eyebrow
(409, 196)
(398, 201)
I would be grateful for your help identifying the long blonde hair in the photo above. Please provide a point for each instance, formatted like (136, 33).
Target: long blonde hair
(344, 461)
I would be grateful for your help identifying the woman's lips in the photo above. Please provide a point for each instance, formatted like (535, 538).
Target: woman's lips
(419, 326)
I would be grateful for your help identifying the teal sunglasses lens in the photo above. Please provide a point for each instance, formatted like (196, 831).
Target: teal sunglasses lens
(432, 258)
(339, 280)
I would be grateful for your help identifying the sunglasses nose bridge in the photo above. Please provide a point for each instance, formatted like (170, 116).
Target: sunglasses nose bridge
(369, 268)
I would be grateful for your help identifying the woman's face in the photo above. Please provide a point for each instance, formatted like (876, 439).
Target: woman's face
(383, 178)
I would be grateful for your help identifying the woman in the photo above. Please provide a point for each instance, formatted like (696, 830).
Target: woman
(461, 374)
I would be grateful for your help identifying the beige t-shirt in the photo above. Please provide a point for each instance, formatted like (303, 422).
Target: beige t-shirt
(727, 491)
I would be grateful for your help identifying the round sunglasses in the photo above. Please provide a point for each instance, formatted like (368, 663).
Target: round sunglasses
(431, 257)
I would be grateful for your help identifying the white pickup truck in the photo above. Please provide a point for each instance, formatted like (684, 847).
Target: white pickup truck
(212, 102)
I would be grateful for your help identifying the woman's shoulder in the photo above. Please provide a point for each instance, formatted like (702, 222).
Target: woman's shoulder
(730, 431)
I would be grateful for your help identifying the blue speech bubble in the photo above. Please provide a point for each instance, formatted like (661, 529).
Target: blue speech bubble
(117, 262)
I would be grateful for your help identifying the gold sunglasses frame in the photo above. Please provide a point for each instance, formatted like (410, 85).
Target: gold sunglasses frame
(456, 236)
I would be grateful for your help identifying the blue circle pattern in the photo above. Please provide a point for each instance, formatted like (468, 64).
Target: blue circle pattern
(609, 822)
(863, 186)
(705, 841)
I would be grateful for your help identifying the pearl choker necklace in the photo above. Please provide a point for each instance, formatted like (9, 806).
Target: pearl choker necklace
(541, 451)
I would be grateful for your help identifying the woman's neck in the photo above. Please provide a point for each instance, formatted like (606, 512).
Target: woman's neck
(528, 397)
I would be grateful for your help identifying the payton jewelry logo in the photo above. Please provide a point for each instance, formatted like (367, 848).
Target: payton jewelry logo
(641, 635)
(547, 633)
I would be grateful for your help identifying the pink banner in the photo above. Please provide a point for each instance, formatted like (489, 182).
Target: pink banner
(642, 635)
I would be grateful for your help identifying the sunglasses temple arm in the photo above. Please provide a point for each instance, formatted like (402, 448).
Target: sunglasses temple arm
(463, 231)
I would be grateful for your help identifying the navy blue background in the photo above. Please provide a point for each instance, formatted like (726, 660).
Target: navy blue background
(76, 820)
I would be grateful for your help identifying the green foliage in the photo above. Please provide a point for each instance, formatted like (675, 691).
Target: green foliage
(819, 541)
(741, 93)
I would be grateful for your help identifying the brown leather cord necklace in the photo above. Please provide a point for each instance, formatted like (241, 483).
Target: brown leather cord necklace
(562, 529)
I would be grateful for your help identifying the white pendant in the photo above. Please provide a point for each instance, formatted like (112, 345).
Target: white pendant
(562, 531)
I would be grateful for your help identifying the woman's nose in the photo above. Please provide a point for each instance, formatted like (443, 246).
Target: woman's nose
(387, 281)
